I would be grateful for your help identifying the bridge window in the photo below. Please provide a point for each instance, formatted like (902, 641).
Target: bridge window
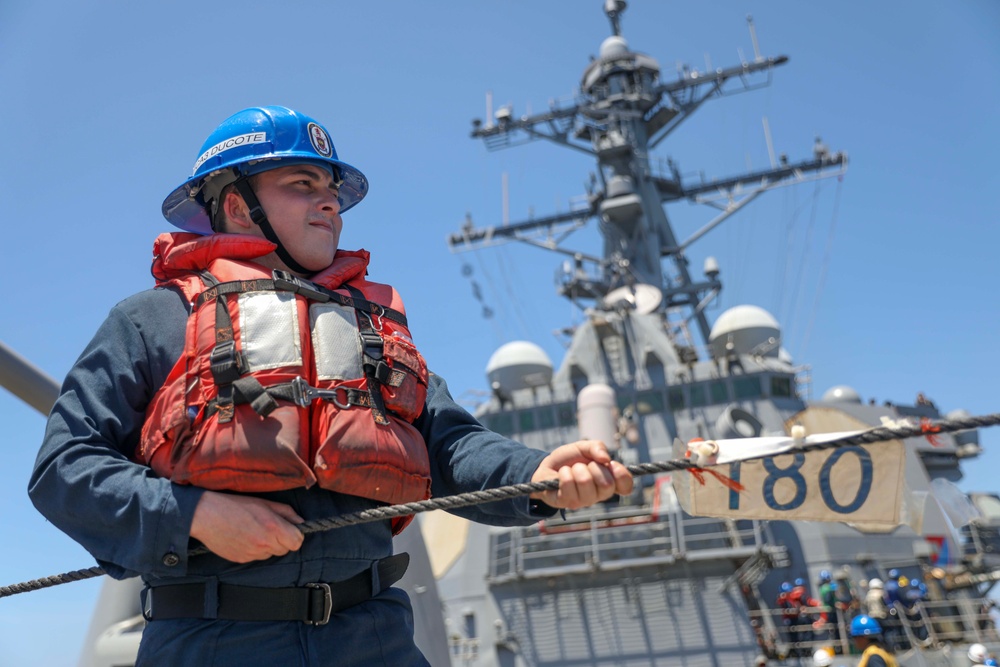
(698, 395)
(501, 423)
(526, 421)
(719, 392)
(649, 402)
(675, 398)
(781, 387)
(546, 418)
(566, 414)
(747, 387)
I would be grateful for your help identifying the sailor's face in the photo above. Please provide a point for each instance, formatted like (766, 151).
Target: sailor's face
(301, 202)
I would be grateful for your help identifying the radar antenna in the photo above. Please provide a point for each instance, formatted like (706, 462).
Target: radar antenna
(622, 111)
(614, 10)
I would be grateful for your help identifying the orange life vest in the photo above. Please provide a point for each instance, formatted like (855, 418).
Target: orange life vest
(286, 383)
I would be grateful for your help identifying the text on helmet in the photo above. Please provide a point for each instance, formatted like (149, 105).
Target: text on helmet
(232, 142)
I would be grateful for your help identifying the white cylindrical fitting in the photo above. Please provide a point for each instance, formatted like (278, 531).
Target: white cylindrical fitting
(597, 414)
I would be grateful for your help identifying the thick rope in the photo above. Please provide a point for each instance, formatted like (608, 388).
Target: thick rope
(877, 434)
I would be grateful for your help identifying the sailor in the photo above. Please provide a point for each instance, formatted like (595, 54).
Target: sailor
(911, 598)
(263, 383)
(893, 624)
(828, 591)
(875, 600)
(892, 587)
(978, 655)
(822, 658)
(867, 636)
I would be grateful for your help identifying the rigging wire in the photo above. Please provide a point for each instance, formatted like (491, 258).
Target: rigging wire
(798, 293)
(516, 302)
(498, 325)
(877, 434)
(823, 269)
(785, 276)
(782, 242)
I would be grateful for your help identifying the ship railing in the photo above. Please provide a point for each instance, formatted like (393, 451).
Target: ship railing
(981, 539)
(784, 635)
(618, 538)
(925, 625)
(936, 623)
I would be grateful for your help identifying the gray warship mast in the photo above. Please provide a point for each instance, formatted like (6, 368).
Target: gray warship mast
(639, 581)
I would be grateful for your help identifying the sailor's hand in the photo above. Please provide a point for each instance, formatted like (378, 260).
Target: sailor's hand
(243, 529)
(586, 475)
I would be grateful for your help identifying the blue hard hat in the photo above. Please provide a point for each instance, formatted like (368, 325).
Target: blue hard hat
(914, 583)
(990, 662)
(824, 575)
(250, 142)
(894, 573)
(863, 625)
(785, 587)
(800, 582)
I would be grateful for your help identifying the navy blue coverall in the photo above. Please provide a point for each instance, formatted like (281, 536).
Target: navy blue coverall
(135, 523)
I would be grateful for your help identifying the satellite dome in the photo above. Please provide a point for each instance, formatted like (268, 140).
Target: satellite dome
(614, 46)
(745, 330)
(519, 365)
(841, 394)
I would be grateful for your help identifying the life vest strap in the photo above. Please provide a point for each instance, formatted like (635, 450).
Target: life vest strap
(372, 346)
(264, 400)
(287, 282)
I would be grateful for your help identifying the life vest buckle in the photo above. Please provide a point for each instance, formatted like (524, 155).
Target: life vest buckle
(303, 394)
(285, 281)
(373, 344)
(227, 364)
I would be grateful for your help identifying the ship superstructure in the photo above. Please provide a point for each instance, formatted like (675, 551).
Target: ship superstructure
(639, 581)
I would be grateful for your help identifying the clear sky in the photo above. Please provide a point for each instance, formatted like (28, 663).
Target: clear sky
(106, 105)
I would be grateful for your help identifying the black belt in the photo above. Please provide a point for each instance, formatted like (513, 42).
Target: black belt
(312, 603)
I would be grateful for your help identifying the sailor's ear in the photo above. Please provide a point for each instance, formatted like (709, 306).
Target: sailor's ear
(236, 211)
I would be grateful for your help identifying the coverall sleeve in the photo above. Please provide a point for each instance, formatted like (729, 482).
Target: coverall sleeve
(466, 456)
(84, 480)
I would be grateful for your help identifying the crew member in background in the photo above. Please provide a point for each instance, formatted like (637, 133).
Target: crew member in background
(893, 624)
(866, 634)
(875, 600)
(828, 590)
(911, 599)
(978, 655)
(263, 383)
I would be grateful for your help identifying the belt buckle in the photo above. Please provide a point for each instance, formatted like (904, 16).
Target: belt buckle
(327, 603)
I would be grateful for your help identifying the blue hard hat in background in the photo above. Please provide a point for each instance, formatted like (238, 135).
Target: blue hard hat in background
(785, 587)
(824, 575)
(800, 582)
(250, 142)
(862, 626)
(894, 573)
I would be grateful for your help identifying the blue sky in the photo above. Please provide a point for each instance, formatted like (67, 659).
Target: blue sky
(107, 103)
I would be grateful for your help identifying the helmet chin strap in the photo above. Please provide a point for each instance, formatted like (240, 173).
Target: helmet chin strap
(260, 219)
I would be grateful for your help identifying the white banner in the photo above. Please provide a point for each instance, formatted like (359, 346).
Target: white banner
(861, 485)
